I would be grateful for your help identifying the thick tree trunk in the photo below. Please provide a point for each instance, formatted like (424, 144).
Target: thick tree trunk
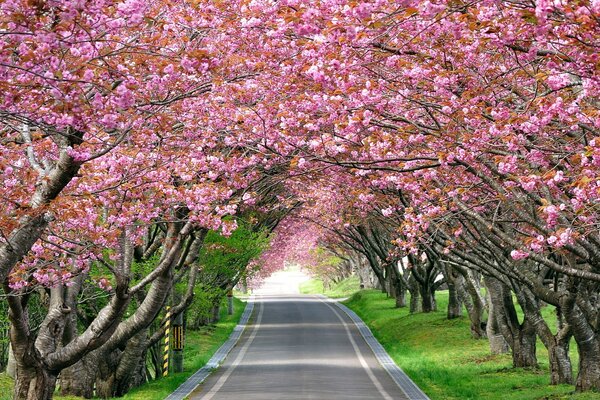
(557, 344)
(34, 383)
(498, 344)
(131, 371)
(105, 373)
(400, 296)
(34, 379)
(520, 337)
(524, 347)
(415, 298)
(588, 377)
(78, 379)
(588, 345)
(123, 370)
(397, 289)
(428, 303)
(561, 370)
(11, 365)
(474, 303)
(455, 283)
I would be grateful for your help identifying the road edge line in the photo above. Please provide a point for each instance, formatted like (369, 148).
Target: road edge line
(359, 354)
(187, 387)
(219, 384)
(410, 389)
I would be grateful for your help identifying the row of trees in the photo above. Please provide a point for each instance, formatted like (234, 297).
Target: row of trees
(118, 168)
(457, 143)
(453, 137)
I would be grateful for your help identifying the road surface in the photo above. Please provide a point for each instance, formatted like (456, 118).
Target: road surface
(299, 347)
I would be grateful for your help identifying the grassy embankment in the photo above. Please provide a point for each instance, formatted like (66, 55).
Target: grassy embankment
(345, 288)
(443, 359)
(199, 347)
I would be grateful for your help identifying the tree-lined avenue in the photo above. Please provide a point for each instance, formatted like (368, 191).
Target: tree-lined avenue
(160, 153)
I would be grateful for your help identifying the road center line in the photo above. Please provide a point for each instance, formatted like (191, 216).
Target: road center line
(209, 395)
(359, 354)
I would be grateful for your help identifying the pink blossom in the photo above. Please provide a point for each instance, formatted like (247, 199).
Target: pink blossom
(519, 254)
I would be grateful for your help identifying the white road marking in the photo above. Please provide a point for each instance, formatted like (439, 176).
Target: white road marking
(360, 356)
(209, 395)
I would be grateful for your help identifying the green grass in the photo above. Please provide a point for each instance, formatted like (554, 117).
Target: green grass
(443, 359)
(6, 385)
(344, 288)
(199, 347)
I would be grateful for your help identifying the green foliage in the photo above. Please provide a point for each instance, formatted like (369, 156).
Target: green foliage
(227, 257)
(442, 358)
(225, 260)
(200, 311)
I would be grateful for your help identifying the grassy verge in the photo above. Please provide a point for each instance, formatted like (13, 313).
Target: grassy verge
(443, 359)
(344, 288)
(199, 347)
(6, 385)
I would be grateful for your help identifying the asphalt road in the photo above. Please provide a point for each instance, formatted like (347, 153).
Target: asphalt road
(299, 347)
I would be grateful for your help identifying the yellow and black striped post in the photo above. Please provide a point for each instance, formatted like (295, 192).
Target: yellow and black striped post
(167, 339)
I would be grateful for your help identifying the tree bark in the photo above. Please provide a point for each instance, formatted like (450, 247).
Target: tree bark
(520, 337)
(400, 296)
(561, 371)
(588, 344)
(427, 292)
(415, 297)
(125, 369)
(455, 283)
(524, 346)
(498, 344)
(78, 379)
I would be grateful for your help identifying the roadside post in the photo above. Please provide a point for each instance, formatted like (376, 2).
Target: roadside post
(178, 341)
(167, 342)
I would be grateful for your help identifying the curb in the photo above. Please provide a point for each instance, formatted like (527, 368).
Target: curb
(410, 389)
(187, 387)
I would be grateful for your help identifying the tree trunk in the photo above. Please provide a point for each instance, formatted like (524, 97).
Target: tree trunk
(520, 337)
(428, 303)
(588, 345)
(131, 370)
(78, 379)
(34, 383)
(216, 310)
(415, 298)
(561, 370)
(105, 374)
(473, 301)
(588, 377)
(400, 296)
(498, 344)
(11, 365)
(455, 282)
(557, 345)
(524, 347)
